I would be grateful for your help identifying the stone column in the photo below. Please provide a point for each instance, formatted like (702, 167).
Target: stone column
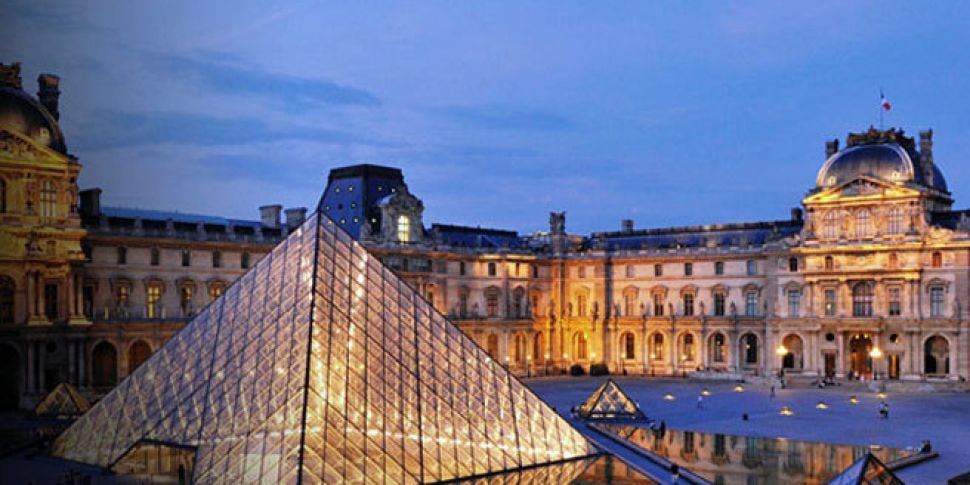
(30, 384)
(840, 354)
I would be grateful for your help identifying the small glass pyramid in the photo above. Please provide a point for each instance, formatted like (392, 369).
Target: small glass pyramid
(867, 470)
(609, 402)
(320, 365)
(64, 400)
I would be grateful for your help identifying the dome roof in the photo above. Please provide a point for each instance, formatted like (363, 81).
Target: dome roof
(888, 161)
(21, 113)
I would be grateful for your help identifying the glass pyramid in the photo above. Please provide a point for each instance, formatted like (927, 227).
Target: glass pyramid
(64, 400)
(609, 402)
(321, 365)
(867, 470)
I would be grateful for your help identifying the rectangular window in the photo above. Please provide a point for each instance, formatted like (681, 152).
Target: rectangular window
(535, 271)
(216, 259)
(688, 304)
(491, 304)
(186, 257)
(629, 305)
(630, 271)
(936, 301)
(751, 304)
(50, 301)
(752, 267)
(658, 270)
(491, 269)
(244, 260)
(658, 305)
(122, 255)
(719, 304)
(688, 269)
(719, 268)
(895, 308)
(154, 257)
(794, 302)
(581, 272)
(830, 302)
(153, 297)
(461, 268)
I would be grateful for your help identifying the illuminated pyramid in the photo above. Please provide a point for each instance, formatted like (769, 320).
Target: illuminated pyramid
(867, 470)
(609, 402)
(321, 365)
(64, 400)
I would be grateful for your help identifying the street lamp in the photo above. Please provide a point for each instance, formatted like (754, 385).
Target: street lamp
(875, 354)
(782, 350)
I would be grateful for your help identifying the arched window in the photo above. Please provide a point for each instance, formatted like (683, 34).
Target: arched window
(628, 341)
(862, 300)
(403, 229)
(830, 225)
(215, 290)
(657, 347)
(863, 224)
(936, 356)
(937, 260)
(48, 200)
(104, 366)
(894, 221)
(138, 353)
(7, 291)
(122, 294)
(579, 345)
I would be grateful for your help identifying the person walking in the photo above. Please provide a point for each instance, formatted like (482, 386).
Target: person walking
(884, 410)
(772, 395)
(674, 473)
(700, 401)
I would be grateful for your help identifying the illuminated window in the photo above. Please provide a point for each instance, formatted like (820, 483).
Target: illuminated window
(153, 297)
(579, 342)
(830, 225)
(863, 224)
(185, 299)
(830, 302)
(687, 351)
(862, 300)
(48, 200)
(658, 347)
(122, 294)
(403, 229)
(717, 348)
(895, 221)
(215, 290)
(937, 260)
(936, 301)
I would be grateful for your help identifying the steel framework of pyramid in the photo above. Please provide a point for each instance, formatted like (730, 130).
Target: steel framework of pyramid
(867, 470)
(64, 400)
(321, 365)
(609, 402)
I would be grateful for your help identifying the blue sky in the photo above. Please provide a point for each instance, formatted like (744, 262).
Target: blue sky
(498, 112)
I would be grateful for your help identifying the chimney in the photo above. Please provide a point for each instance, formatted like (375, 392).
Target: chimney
(295, 217)
(91, 202)
(270, 216)
(831, 147)
(926, 155)
(10, 75)
(48, 93)
(796, 214)
(627, 225)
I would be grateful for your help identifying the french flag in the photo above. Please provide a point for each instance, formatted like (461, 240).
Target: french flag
(884, 102)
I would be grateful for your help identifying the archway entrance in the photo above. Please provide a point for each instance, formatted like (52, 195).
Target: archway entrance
(860, 363)
(749, 350)
(9, 377)
(936, 357)
(794, 359)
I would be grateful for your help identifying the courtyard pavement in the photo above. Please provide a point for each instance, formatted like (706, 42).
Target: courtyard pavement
(943, 418)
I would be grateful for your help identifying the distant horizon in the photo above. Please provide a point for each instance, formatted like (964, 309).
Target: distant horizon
(668, 114)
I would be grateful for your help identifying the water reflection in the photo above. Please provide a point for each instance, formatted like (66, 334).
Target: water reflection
(731, 459)
(602, 470)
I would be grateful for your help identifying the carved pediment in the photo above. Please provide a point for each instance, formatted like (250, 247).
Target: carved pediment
(14, 147)
(861, 187)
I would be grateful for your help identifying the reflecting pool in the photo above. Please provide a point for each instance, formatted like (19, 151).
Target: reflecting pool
(601, 470)
(731, 459)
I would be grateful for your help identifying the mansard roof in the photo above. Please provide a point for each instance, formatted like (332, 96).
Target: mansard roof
(743, 234)
(477, 237)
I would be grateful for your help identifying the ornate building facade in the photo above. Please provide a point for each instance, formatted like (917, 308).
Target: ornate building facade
(869, 279)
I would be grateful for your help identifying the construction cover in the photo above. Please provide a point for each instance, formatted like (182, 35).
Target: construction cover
(609, 402)
(867, 470)
(63, 401)
(320, 365)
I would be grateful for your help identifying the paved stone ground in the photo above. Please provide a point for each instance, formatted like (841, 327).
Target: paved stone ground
(942, 418)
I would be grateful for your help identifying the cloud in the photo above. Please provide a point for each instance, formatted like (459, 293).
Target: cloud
(220, 73)
(498, 117)
(118, 130)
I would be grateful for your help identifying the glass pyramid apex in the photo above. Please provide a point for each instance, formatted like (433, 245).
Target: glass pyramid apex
(320, 365)
(608, 401)
(867, 470)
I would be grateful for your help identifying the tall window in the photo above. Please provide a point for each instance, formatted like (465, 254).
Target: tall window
(862, 300)
(937, 261)
(154, 257)
(893, 260)
(154, 296)
(48, 200)
(829, 263)
(895, 308)
(936, 301)
(461, 268)
(491, 303)
(794, 301)
(535, 271)
(830, 225)
(658, 269)
(51, 308)
(658, 305)
(750, 348)
(517, 299)
(580, 345)
(717, 348)
(185, 299)
(751, 303)
(830, 302)
(658, 347)
(122, 295)
(491, 269)
(122, 255)
(719, 268)
(894, 221)
(581, 272)
(793, 264)
(863, 224)
(463, 303)
(403, 229)
(719, 304)
(752, 267)
(7, 290)
(186, 257)
(688, 304)
(629, 304)
(688, 269)
(581, 305)
(687, 352)
(244, 260)
(629, 346)
(216, 259)
(630, 271)
(215, 291)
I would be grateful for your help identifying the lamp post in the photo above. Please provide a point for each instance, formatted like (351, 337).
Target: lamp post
(875, 354)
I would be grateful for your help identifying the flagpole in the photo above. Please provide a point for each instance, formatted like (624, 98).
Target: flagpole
(881, 109)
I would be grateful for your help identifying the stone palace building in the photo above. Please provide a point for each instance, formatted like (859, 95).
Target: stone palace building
(869, 279)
